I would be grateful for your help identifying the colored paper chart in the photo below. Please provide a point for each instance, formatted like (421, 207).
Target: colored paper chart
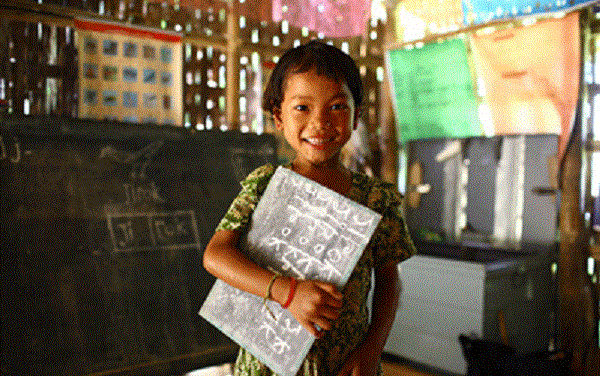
(130, 74)
(415, 19)
(482, 11)
(538, 66)
(334, 19)
(433, 93)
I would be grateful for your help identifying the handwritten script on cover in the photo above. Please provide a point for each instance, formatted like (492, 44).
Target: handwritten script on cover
(299, 229)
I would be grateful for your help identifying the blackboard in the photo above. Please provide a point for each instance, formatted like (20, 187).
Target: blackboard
(300, 229)
(103, 229)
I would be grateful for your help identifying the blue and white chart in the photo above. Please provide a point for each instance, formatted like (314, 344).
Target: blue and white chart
(300, 229)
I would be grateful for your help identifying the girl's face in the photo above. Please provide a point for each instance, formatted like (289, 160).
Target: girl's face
(317, 116)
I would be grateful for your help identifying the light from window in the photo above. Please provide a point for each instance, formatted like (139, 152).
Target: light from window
(186, 120)
(242, 79)
(595, 188)
(596, 117)
(243, 105)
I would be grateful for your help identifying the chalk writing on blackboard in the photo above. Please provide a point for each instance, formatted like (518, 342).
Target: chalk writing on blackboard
(140, 160)
(16, 158)
(133, 232)
(301, 229)
(106, 213)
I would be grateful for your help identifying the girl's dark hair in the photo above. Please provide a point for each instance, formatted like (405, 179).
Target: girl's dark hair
(325, 59)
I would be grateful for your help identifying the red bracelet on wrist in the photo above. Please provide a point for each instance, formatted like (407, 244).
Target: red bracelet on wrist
(293, 284)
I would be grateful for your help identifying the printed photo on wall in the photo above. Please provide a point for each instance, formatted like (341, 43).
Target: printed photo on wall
(130, 119)
(110, 47)
(129, 74)
(109, 73)
(149, 52)
(90, 71)
(109, 97)
(90, 97)
(166, 78)
(130, 99)
(90, 46)
(129, 49)
(166, 55)
(149, 100)
(149, 76)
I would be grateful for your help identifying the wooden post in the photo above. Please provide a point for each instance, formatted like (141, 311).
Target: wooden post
(388, 141)
(233, 66)
(576, 311)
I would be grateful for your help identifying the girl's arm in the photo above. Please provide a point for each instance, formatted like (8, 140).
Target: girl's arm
(364, 360)
(314, 303)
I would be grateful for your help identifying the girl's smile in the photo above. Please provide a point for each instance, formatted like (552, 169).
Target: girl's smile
(317, 116)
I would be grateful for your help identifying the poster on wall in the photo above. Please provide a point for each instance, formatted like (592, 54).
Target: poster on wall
(129, 74)
(482, 11)
(433, 93)
(539, 66)
(336, 19)
(414, 19)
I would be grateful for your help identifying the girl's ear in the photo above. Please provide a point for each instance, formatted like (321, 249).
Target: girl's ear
(277, 118)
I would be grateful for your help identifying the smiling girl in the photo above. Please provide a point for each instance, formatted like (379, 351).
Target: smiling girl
(314, 95)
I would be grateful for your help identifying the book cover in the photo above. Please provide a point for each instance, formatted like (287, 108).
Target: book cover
(299, 229)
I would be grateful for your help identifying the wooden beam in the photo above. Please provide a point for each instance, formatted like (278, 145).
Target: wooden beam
(576, 308)
(32, 17)
(233, 67)
(203, 42)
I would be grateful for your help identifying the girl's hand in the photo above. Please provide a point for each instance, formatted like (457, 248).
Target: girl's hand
(363, 361)
(315, 305)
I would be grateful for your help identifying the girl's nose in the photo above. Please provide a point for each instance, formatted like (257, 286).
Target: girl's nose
(321, 121)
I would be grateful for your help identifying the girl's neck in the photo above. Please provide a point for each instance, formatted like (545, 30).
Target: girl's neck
(335, 177)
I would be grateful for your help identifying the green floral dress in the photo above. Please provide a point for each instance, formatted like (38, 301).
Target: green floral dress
(390, 242)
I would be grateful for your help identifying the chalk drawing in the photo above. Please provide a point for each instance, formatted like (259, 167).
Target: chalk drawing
(300, 229)
(17, 157)
(135, 232)
(139, 160)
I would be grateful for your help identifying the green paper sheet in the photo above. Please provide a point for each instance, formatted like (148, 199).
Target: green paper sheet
(433, 92)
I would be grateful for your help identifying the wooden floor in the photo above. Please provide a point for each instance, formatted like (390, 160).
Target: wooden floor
(399, 368)
(391, 367)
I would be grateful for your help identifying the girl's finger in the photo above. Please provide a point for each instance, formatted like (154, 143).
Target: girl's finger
(323, 323)
(330, 313)
(331, 290)
(312, 329)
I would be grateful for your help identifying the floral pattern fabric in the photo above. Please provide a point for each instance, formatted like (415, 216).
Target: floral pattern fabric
(390, 242)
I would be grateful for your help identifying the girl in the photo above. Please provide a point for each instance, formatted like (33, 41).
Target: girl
(314, 96)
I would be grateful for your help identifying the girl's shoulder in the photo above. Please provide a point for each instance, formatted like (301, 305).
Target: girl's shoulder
(378, 195)
(259, 178)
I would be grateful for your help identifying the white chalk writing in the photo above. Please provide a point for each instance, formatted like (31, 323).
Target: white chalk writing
(132, 232)
(14, 158)
(300, 229)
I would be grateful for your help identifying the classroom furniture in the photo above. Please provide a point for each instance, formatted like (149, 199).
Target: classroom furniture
(443, 297)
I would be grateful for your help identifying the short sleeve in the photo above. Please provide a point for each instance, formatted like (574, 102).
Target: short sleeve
(391, 241)
(242, 207)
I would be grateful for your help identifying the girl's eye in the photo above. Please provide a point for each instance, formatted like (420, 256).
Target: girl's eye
(301, 107)
(339, 106)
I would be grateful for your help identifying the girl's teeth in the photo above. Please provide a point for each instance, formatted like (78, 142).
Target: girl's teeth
(317, 141)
